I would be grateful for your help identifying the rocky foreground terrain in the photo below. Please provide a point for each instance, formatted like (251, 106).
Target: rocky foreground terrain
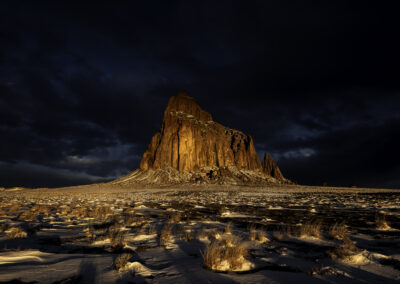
(199, 234)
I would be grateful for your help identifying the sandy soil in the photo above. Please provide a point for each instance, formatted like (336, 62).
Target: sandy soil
(180, 234)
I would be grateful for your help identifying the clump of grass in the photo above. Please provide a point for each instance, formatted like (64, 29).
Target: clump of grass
(381, 223)
(118, 241)
(42, 209)
(131, 220)
(187, 236)
(90, 234)
(27, 216)
(203, 234)
(212, 255)
(101, 213)
(253, 236)
(14, 207)
(345, 250)
(129, 211)
(117, 238)
(151, 230)
(16, 233)
(252, 228)
(142, 230)
(166, 234)
(253, 232)
(282, 232)
(278, 236)
(4, 227)
(3, 212)
(311, 229)
(228, 228)
(64, 210)
(261, 237)
(174, 218)
(79, 212)
(225, 255)
(121, 261)
(338, 231)
(179, 229)
(220, 210)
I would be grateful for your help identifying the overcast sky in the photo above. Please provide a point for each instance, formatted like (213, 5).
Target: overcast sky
(83, 87)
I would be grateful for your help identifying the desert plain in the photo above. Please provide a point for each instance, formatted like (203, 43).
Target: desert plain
(105, 233)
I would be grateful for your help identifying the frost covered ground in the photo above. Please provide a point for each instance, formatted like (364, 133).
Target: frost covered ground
(287, 234)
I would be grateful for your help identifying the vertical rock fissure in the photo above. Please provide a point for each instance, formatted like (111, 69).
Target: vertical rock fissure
(179, 145)
(216, 155)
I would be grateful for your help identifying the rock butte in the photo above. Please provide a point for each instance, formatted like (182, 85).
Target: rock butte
(191, 148)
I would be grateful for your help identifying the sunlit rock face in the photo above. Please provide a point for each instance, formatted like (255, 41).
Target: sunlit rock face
(189, 140)
(271, 168)
(192, 148)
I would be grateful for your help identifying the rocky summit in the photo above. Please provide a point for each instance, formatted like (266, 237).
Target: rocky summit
(192, 148)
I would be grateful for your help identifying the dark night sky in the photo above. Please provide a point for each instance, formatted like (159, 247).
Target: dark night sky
(315, 83)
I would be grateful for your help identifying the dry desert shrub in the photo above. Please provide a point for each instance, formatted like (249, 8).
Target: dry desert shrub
(228, 228)
(4, 227)
(42, 209)
(27, 216)
(174, 218)
(311, 229)
(212, 255)
(203, 234)
(225, 254)
(64, 210)
(14, 207)
(131, 220)
(220, 209)
(142, 228)
(338, 231)
(252, 228)
(232, 194)
(151, 230)
(253, 236)
(346, 249)
(282, 232)
(179, 229)
(278, 235)
(114, 218)
(187, 236)
(166, 234)
(261, 237)
(3, 212)
(117, 241)
(79, 212)
(135, 221)
(381, 223)
(16, 233)
(90, 234)
(117, 238)
(101, 213)
(128, 211)
(121, 261)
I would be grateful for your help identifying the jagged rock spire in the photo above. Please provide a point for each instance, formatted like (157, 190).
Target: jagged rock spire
(191, 148)
(189, 139)
(271, 168)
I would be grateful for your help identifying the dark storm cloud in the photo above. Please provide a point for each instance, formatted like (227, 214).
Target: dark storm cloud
(366, 155)
(83, 86)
